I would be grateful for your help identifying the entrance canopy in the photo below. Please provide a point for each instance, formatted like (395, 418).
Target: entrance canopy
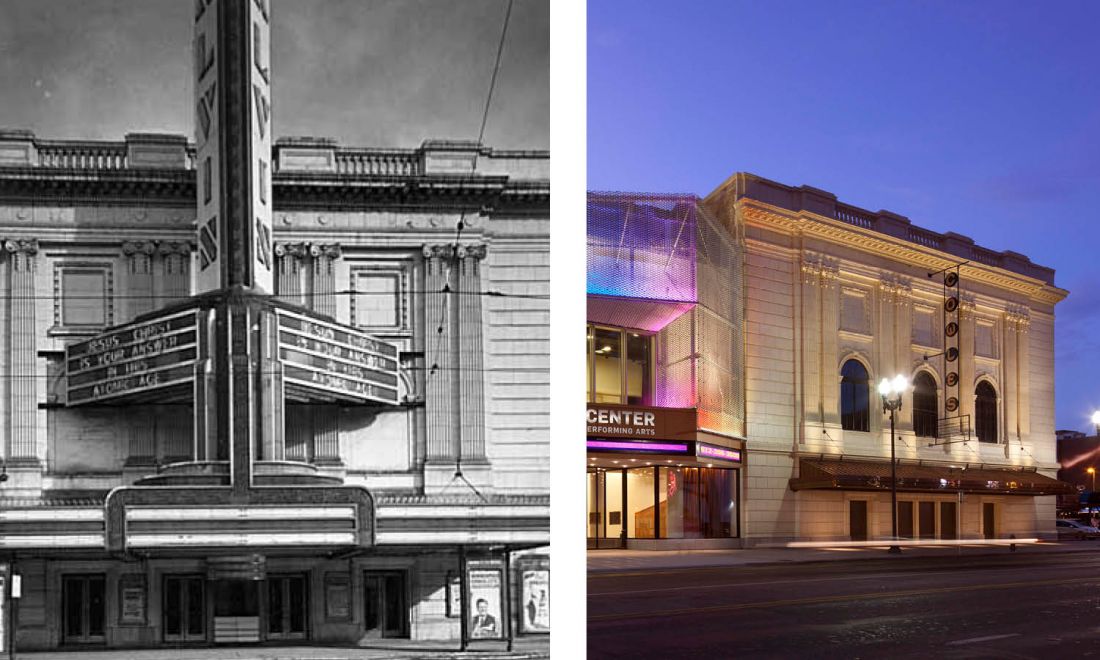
(844, 474)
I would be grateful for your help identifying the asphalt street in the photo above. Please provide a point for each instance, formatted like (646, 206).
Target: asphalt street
(1004, 606)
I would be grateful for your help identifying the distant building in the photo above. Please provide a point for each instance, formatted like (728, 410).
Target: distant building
(1077, 454)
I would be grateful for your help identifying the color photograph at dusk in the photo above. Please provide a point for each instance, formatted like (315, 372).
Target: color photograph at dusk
(841, 392)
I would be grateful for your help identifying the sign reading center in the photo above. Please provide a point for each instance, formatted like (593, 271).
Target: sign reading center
(133, 359)
(614, 421)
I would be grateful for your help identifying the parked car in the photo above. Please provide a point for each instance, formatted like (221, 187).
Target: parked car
(1071, 529)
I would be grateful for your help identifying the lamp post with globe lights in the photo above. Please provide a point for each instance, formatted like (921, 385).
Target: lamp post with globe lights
(1096, 421)
(891, 391)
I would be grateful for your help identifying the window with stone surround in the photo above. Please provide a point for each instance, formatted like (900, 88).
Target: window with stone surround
(854, 397)
(83, 296)
(985, 412)
(925, 406)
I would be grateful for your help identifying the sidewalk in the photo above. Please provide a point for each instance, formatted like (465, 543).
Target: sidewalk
(610, 561)
(525, 649)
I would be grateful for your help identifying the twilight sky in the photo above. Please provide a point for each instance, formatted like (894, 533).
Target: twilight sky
(386, 73)
(977, 117)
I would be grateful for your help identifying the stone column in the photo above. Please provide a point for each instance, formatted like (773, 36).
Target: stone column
(22, 402)
(442, 367)
(324, 277)
(139, 269)
(288, 273)
(175, 272)
(471, 353)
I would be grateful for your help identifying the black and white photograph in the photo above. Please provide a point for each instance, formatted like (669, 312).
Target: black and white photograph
(275, 306)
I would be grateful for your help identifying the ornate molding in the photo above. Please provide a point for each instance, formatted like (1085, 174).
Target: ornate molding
(296, 250)
(785, 221)
(131, 248)
(166, 248)
(476, 251)
(1017, 318)
(895, 288)
(819, 270)
(24, 246)
(330, 250)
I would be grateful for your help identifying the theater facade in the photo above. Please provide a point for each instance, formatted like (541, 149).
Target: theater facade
(271, 391)
(750, 387)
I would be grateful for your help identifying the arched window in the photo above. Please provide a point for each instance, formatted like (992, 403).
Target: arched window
(925, 406)
(854, 404)
(985, 412)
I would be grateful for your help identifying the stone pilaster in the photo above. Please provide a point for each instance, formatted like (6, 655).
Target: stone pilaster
(966, 359)
(830, 344)
(324, 277)
(471, 353)
(175, 280)
(139, 270)
(442, 366)
(1011, 376)
(1020, 318)
(289, 258)
(299, 433)
(22, 402)
(811, 343)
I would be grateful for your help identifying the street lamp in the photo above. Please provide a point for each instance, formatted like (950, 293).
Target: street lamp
(891, 391)
(1092, 473)
(1096, 421)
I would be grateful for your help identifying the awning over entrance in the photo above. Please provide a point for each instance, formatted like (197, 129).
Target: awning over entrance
(843, 474)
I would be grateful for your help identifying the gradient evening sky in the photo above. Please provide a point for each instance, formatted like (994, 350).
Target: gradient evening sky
(981, 118)
(384, 73)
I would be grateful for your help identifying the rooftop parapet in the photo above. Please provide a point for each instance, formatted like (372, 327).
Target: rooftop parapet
(821, 202)
(301, 155)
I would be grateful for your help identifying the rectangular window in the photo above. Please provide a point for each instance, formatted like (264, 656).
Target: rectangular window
(377, 300)
(83, 297)
(697, 502)
(620, 367)
(984, 344)
(607, 366)
(852, 313)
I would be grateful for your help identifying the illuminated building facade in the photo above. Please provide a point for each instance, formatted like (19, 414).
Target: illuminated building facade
(838, 298)
(665, 417)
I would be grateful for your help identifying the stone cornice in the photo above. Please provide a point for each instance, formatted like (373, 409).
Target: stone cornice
(819, 227)
(175, 187)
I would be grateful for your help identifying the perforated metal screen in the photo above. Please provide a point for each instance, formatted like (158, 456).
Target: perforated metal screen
(668, 247)
(641, 246)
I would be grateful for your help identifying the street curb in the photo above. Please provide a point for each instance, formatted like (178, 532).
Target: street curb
(1000, 551)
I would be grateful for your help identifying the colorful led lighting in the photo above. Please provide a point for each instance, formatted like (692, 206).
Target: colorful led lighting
(718, 452)
(678, 447)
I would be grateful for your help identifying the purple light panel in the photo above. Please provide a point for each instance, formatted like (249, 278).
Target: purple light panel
(679, 447)
(642, 246)
(711, 451)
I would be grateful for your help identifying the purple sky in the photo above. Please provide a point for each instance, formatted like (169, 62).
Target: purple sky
(981, 118)
(384, 73)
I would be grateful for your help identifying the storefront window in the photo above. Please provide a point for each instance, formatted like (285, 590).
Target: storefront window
(620, 366)
(700, 502)
(640, 513)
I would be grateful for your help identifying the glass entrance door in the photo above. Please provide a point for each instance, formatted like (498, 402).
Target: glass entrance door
(184, 609)
(84, 605)
(286, 607)
(605, 508)
(384, 611)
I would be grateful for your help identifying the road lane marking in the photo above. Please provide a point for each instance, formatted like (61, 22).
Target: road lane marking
(846, 578)
(835, 599)
(643, 572)
(987, 638)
